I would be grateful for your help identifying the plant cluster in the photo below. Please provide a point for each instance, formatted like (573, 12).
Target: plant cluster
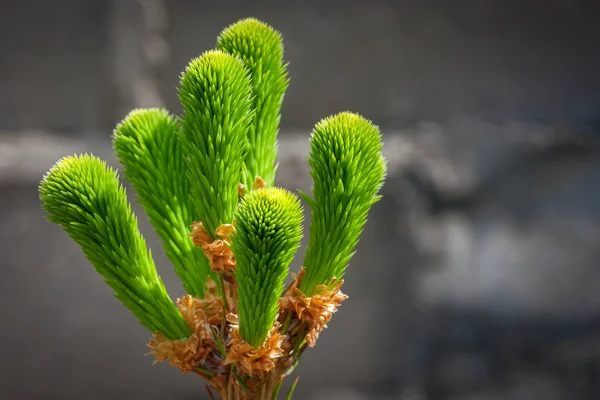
(206, 181)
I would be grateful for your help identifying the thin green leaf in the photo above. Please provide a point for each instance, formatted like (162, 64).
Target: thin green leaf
(277, 389)
(292, 388)
(306, 197)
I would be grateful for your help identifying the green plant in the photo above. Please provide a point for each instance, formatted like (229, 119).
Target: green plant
(213, 169)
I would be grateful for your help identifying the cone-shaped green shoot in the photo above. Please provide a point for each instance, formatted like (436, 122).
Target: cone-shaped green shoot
(216, 97)
(83, 194)
(268, 233)
(261, 48)
(147, 145)
(348, 170)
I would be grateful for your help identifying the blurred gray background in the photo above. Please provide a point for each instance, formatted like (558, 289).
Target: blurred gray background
(477, 276)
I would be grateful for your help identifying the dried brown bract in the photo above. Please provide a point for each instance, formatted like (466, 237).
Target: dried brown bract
(199, 235)
(200, 312)
(185, 354)
(315, 311)
(241, 189)
(259, 183)
(217, 251)
(254, 362)
(188, 354)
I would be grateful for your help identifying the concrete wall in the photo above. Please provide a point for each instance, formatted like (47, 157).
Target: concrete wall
(53, 68)
(395, 61)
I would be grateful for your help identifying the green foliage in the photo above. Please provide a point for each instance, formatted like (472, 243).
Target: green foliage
(147, 145)
(216, 97)
(348, 170)
(268, 233)
(261, 48)
(84, 196)
(189, 169)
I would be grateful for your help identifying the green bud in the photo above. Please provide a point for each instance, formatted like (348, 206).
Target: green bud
(348, 170)
(83, 195)
(268, 233)
(261, 48)
(216, 97)
(147, 144)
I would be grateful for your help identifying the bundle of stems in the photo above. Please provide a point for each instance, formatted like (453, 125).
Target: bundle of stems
(206, 181)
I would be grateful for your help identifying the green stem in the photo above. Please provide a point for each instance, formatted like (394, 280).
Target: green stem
(205, 372)
(286, 323)
(219, 342)
(221, 286)
(239, 380)
(291, 391)
(277, 389)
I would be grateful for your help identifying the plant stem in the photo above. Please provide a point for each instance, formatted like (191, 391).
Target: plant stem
(286, 323)
(205, 372)
(291, 391)
(277, 389)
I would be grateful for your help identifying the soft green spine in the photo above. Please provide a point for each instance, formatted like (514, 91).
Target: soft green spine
(268, 233)
(348, 169)
(261, 48)
(147, 145)
(83, 194)
(216, 97)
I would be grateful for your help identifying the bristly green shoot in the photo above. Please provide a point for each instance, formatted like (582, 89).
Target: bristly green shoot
(216, 97)
(348, 170)
(261, 48)
(83, 194)
(268, 233)
(147, 144)
(188, 169)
